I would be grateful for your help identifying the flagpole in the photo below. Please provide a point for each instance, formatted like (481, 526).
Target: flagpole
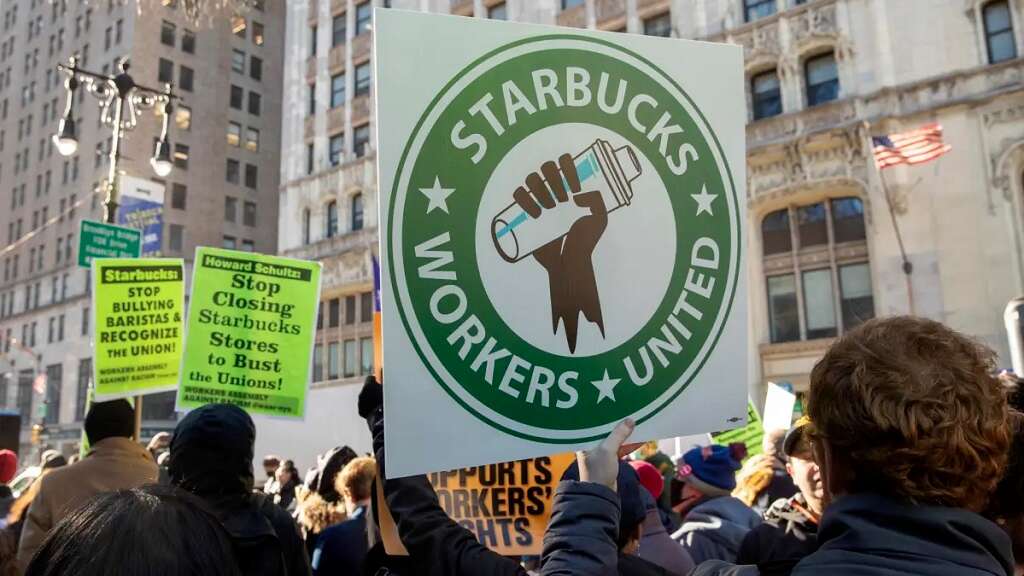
(908, 268)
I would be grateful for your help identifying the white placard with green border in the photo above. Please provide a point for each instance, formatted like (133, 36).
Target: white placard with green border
(562, 228)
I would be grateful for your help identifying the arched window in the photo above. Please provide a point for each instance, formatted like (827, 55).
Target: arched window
(332, 219)
(822, 79)
(999, 40)
(765, 94)
(306, 229)
(357, 212)
(820, 291)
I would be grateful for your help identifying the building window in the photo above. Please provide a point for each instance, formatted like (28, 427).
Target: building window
(361, 137)
(254, 103)
(362, 79)
(176, 238)
(366, 307)
(566, 4)
(188, 41)
(168, 34)
(332, 219)
(818, 277)
(999, 38)
(333, 361)
(183, 118)
(84, 377)
(318, 363)
(185, 78)
(230, 208)
(364, 15)
(307, 218)
(257, 34)
(337, 91)
(312, 41)
(237, 95)
(756, 9)
(822, 79)
(765, 95)
(312, 100)
(337, 149)
(251, 176)
(350, 358)
(350, 309)
(228, 242)
(498, 12)
(338, 32)
(660, 25)
(238, 61)
(366, 355)
(234, 134)
(357, 212)
(310, 151)
(252, 139)
(238, 26)
(181, 156)
(165, 71)
(333, 313)
(248, 246)
(234, 170)
(249, 214)
(256, 68)
(178, 195)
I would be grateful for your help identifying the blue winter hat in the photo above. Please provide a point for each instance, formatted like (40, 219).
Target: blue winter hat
(631, 505)
(711, 469)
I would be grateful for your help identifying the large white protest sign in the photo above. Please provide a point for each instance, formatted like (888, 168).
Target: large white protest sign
(778, 408)
(562, 239)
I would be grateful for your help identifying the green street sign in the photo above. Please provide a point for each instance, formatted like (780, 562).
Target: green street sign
(99, 240)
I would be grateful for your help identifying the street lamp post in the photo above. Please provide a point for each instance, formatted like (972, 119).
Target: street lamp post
(121, 100)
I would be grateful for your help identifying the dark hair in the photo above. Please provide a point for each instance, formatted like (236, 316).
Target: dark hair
(156, 530)
(115, 418)
(914, 408)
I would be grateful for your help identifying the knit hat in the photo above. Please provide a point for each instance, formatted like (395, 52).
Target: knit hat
(631, 504)
(793, 438)
(8, 466)
(711, 469)
(115, 418)
(650, 478)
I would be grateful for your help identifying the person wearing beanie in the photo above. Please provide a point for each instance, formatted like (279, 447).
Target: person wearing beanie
(115, 462)
(8, 468)
(211, 457)
(714, 522)
(655, 544)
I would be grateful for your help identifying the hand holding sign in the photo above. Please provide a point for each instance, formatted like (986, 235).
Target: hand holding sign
(601, 464)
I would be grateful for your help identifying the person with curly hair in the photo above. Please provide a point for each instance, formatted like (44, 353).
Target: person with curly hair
(910, 430)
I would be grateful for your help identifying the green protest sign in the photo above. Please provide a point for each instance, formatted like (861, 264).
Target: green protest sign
(562, 219)
(137, 310)
(250, 332)
(99, 240)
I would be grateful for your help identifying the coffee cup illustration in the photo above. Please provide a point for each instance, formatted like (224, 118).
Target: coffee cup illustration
(599, 168)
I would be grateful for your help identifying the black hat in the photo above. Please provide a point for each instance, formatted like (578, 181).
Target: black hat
(793, 438)
(631, 501)
(115, 418)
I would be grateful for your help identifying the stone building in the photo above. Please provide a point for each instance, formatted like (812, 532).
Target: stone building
(823, 77)
(225, 138)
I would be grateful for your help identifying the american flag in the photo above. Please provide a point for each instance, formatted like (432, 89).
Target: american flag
(912, 147)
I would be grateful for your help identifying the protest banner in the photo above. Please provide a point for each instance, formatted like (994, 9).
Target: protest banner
(750, 435)
(251, 324)
(506, 505)
(778, 408)
(142, 209)
(562, 220)
(138, 306)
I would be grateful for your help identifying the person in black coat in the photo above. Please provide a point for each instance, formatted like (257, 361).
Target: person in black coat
(580, 538)
(211, 457)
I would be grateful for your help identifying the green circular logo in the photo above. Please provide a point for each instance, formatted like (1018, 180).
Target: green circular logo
(563, 238)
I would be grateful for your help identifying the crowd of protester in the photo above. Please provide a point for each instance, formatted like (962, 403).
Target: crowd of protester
(909, 460)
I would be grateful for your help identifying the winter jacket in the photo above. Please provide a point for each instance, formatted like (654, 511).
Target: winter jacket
(114, 463)
(871, 535)
(714, 529)
(211, 456)
(785, 537)
(657, 546)
(723, 568)
(580, 538)
(342, 548)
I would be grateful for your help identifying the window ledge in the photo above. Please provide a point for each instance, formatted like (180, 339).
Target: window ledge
(797, 348)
